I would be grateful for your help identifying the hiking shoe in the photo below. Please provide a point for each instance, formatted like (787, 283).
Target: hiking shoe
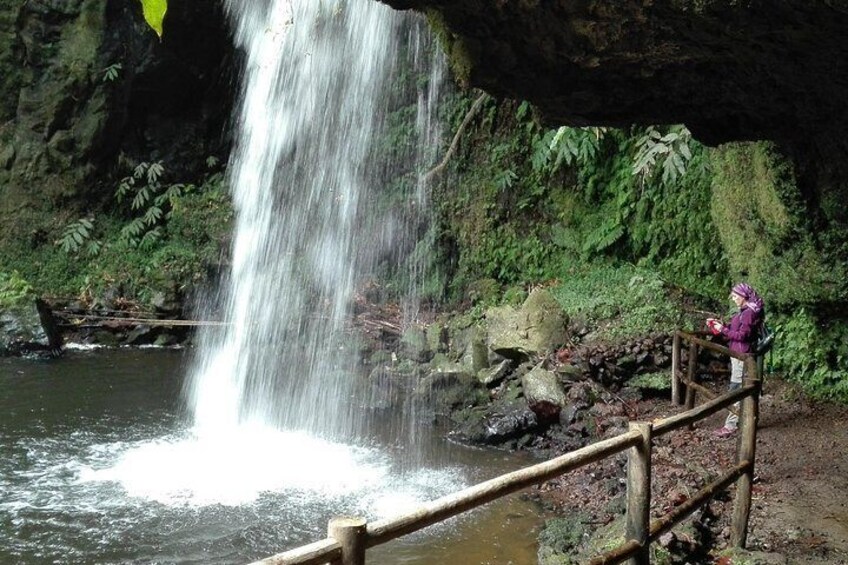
(724, 432)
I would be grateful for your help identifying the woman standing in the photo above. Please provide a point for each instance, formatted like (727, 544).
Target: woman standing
(741, 333)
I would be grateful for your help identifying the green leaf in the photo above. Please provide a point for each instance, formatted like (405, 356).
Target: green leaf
(154, 14)
(94, 247)
(111, 72)
(154, 172)
(141, 198)
(153, 215)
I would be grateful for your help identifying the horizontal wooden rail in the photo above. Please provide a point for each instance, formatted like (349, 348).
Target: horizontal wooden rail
(618, 555)
(705, 410)
(440, 509)
(115, 320)
(315, 553)
(707, 392)
(712, 346)
(664, 524)
(667, 522)
(355, 534)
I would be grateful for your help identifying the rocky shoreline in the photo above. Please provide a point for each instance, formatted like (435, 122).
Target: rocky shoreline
(528, 378)
(519, 377)
(38, 329)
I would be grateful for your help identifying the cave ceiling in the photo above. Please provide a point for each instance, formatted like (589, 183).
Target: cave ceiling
(728, 69)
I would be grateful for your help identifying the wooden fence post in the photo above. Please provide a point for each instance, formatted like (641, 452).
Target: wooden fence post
(690, 375)
(639, 493)
(746, 452)
(675, 366)
(351, 535)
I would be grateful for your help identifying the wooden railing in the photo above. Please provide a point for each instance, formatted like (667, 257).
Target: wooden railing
(349, 538)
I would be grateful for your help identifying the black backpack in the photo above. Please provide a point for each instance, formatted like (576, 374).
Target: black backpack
(765, 339)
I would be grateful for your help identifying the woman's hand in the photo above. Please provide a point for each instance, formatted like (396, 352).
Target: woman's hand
(714, 325)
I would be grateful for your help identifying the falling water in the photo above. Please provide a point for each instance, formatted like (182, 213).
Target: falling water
(112, 474)
(316, 86)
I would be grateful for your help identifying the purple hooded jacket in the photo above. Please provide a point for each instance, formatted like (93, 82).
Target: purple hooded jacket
(743, 329)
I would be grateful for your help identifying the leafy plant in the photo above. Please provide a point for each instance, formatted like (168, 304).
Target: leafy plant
(618, 300)
(669, 152)
(111, 73)
(76, 234)
(151, 200)
(13, 289)
(813, 354)
(566, 145)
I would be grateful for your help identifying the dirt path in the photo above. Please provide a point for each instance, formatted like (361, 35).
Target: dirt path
(801, 499)
(799, 513)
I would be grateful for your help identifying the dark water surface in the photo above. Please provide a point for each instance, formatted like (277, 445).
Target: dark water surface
(99, 465)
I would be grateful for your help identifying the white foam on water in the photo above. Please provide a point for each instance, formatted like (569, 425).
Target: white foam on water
(83, 346)
(239, 467)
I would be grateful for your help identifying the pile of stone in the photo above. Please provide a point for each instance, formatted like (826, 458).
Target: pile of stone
(509, 380)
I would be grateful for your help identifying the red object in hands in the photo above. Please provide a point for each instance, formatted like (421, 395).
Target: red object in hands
(713, 325)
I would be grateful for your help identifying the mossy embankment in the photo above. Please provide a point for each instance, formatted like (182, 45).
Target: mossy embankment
(524, 205)
(88, 95)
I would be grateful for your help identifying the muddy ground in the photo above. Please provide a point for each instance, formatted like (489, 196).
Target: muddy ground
(800, 507)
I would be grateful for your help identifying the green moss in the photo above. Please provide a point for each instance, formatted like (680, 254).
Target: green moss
(10, 64)
(561, 537)
(765, 228)
(652, 381)
(772, 241)
(78, 47)
(455, 48)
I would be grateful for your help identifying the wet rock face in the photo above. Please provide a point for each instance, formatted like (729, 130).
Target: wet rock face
(65, 120)
(29, 329)
(729, 70)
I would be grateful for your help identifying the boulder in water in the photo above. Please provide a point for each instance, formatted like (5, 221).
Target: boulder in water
(507, 422)
(28, 328)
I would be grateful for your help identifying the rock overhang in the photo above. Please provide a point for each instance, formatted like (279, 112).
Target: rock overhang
(728, 69)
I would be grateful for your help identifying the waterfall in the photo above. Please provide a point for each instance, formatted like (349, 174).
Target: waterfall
(316, 85)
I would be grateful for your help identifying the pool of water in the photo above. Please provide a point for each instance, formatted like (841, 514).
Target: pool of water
(100, 465)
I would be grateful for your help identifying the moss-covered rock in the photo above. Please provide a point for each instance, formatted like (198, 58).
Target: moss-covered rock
(415, 345)
(28, 327)
(538, 326)
(561, 537)
(544, 393)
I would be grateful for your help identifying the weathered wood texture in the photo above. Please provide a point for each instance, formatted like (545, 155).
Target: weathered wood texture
(350, 537)
(746, 452)
(675, 367)
(448, 506)
(639, 493)
(316, 553)
(351, 534)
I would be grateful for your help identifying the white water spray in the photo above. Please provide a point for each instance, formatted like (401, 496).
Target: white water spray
(316, 88)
